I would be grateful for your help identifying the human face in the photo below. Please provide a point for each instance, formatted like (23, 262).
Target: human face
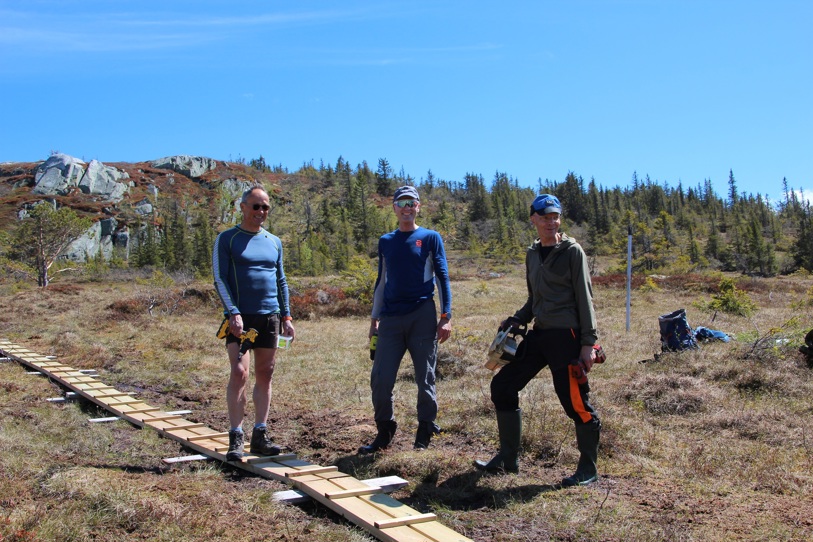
(547, 226)
(407, 214)
(255, 210)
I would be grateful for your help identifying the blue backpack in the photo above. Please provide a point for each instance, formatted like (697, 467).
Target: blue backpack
(676, 334)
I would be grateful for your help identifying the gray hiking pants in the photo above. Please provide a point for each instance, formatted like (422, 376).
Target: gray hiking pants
(415, 332)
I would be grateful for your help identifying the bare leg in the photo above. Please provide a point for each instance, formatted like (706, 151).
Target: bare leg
(264, 363)
(236, 389)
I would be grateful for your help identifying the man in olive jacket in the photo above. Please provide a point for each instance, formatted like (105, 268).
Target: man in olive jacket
(560, 303)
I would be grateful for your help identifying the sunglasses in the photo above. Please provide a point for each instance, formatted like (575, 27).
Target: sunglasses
(406, 203)
(258, 206)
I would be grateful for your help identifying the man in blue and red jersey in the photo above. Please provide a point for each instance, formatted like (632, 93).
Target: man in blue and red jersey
(250, 280)
(411, 260)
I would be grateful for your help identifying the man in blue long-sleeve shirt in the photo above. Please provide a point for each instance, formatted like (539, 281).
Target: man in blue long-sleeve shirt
(410, 260)
(250, 280)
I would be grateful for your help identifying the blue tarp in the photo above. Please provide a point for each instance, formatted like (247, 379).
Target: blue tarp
(705, 334)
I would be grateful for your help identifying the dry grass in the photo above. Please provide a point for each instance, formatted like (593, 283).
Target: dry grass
(714, 444)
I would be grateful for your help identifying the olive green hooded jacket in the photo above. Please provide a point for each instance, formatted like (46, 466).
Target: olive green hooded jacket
(560, 294)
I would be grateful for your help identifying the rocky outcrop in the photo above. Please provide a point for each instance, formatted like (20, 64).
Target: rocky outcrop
(143, 207)
(103, 181)
(62, 173)
(111, 192)
(100, 238)
(191, 166)
(57, 175)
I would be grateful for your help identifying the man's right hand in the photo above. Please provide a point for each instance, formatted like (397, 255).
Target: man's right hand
(236, 325)
(510, 322)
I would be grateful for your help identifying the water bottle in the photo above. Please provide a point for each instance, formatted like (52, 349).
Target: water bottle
(373, 344)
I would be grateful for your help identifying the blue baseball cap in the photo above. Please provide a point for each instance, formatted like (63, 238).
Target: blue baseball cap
(406, 192)
(546, 203)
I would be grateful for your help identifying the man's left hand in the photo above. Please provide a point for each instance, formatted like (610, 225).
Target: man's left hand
(288, 329)
(587, 356)
(444, 329)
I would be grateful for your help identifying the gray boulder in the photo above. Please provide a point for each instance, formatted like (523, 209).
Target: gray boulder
(100, 237)
(191, 166)
(58, 174)
(143, 207)
(103, 181)
(61, 173)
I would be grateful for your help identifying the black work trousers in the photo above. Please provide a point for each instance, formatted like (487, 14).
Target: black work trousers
(554, 348)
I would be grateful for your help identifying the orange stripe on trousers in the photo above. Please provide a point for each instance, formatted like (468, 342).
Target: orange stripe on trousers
(576, 396)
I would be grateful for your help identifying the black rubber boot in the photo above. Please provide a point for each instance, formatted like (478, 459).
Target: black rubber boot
(509, 426)
(424, 434)
(386, 430)
(587, 437)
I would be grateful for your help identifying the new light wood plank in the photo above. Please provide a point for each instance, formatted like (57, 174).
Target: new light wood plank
(355, 492)
(405, 520)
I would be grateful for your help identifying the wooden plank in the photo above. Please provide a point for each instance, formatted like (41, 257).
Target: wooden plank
(314, 485)
(77, 380)
(185, 458)
(184, 427)
(96, 395)
(404, 520)
(162, 418)
(263, 458)
(435, 530)
(311, 470)
(130, 401)
(387, 484)
(144, 410)
(210, 436)
(336, 477)
(85, 384)
(345, 493)
(366, 505)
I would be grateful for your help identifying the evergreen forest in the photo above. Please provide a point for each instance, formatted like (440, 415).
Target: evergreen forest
(330, 217)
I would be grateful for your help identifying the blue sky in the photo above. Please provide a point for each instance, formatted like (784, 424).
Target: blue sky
(681, 91)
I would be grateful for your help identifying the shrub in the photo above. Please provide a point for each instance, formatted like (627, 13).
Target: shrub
(360, 277)
(730, 300)
(312, 303)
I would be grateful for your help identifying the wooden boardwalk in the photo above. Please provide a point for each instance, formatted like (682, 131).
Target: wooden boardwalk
(368, 507)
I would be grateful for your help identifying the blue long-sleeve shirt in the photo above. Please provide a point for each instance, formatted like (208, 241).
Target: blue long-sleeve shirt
(248, 271)
(409, 265)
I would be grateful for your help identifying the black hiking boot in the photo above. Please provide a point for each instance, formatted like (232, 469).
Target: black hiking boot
(386, 430)
(261, 442)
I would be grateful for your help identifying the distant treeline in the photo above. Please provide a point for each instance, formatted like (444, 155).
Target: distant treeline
(330, 215)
